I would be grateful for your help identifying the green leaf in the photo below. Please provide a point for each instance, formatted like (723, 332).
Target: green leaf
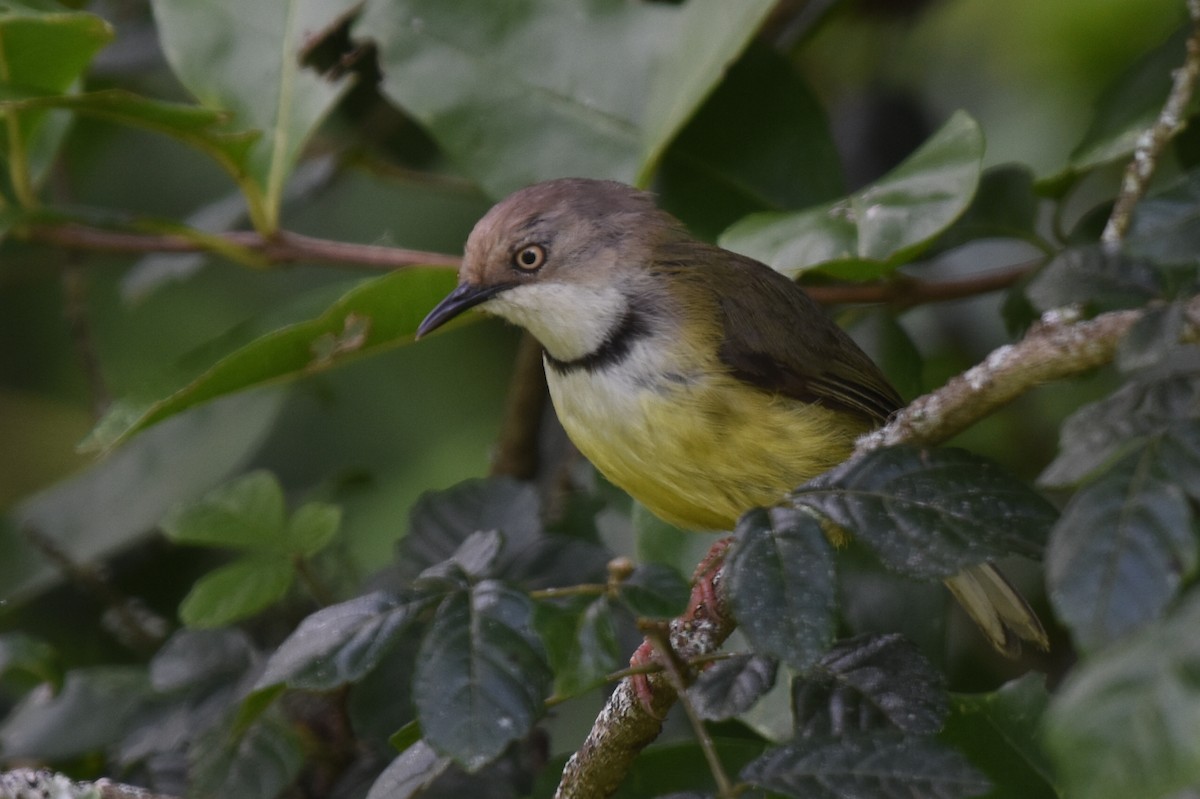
(780, 580)
(1001, 733)
(46, 49)
(481, 675)
(931, 513)
(373, 316)
(236, 591)
(341, 643)
(246, 513)
(1126, 722)
(247, 59)
(1163, 228)
(881, 766)
(1122, 548)
(1130, 105)
(1137, 413)
(312, 527)
(581, 106)
(869, 683)
(1095, 278)
(655, 591)
(581, 642)
(23, 654)
(730, 687)
(761, 142)
(410, 774)
(1004, 207)
(119, 500)
(257, 763)
(201, 128)
(193, 660)
(87, 715)
(875, 229)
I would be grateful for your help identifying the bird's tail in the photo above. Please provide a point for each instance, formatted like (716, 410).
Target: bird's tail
(1001, 612)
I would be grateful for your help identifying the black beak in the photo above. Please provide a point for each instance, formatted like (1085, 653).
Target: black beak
(461, 299)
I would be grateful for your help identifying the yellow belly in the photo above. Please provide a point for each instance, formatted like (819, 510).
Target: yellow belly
(698, 454)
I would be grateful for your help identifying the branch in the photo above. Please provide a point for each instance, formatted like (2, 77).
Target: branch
(903, 292)
(284, 247)
(1155, 139)
(27, 782)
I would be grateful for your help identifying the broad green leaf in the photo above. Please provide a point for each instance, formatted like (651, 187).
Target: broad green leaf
(1000, 732)
(761, 142)
(31, 657)
(655, 591)
(256, 763)
(312, 527)
(581, 642)
(612, 82)
(1136, 413)
(931, 513)
(1004, 206)
(246, 58)
(1154, 338)
(236, 591)
(1126, 722)
(881, 766)
(196, 659)
(44, 49)
(85, 716)
(1094, 278)
(1122, 548)
(373, 316)
(198, 127)
(341, 643)
(246, 514)
(1130, 105)
(1164, 227)
(780, 581)
(730, 687)
(121, 499)
(481, 675)
(410, 774)
(869, 683)
(875, 229)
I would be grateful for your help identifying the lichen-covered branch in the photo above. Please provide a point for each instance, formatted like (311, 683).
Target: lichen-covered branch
(27, 783)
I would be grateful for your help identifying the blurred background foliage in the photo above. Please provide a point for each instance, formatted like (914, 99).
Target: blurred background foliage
(411, 146)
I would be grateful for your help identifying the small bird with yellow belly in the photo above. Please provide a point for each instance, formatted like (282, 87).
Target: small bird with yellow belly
(702, 382)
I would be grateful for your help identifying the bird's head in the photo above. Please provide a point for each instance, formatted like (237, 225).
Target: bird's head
(562, 259)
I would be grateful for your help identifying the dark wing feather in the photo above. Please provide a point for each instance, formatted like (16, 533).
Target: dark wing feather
(776, 337)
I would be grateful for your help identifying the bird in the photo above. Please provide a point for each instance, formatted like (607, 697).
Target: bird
(702, 382)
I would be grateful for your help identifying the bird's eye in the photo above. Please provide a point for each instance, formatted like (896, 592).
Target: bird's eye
(530, 258)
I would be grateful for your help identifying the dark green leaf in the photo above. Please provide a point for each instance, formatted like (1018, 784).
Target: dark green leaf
(780, 580)
(874, 230)
(87, 715)
(341, 643)
(372, 316)
(1001, 733)
(581, 642)
(1165, 228)
(1121, 550)
(198, 659)
(611, 86)
(1153, 338)
(869, 683)
(1130, 105)
(931, 513)
(481, 675)
(477, 555)
(249, 62)
(23, 654)
(880, 766)
(1095, 278)
(1138, 412)
(410, 773)
(761, 142)
(1005, 206)
(1126, 722)
(312, 527)
(655, 591)
(257, 763)
(236, 591)
(246, 513)
(729, 687)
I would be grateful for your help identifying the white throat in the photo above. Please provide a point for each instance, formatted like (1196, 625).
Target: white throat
(570, 320)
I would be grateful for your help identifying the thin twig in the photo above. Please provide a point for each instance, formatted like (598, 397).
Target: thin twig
(517, 449)
(75, 309)
(1154, 140)
(904, 292)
